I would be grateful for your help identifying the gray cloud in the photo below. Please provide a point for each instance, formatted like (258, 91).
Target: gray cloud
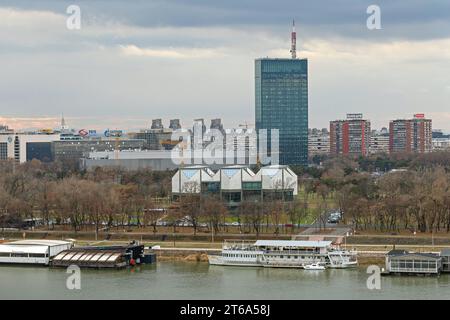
(193, 59)
(402, 19)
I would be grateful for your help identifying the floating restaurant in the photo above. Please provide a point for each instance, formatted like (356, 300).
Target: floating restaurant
(400, 262)
(38, 252)
(445, 255)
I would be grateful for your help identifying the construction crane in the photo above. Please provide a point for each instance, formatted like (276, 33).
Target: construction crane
(245, 125)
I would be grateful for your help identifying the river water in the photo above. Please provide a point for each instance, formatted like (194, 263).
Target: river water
(186, 280)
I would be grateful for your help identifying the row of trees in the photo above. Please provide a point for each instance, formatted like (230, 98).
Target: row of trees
(250, 217)
(417, 198)
(413, 200)
(103, 198)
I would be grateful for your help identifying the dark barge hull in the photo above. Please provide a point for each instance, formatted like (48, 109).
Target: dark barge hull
(103, 257)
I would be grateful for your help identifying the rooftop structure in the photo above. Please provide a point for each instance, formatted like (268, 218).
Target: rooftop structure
(157, 137)
(175, 124)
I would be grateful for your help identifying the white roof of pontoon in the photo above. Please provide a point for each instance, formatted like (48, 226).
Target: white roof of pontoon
(292, 243)
(47, 243)
(5, 248)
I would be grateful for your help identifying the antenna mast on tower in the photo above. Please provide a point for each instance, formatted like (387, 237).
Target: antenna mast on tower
(293, 41)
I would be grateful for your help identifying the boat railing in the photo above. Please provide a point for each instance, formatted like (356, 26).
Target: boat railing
(288, 252)
(239, 245)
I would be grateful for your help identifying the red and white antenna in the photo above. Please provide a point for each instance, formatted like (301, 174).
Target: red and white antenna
(293, 41)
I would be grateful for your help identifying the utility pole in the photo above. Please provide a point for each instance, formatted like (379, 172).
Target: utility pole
(432, 237)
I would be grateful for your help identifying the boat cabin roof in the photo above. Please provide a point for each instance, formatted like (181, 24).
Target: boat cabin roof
(47, 243)
(31, 246)
(23, 249)
(415, 255)
(292, 243)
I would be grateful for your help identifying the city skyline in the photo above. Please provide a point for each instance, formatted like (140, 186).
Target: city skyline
(130, 64)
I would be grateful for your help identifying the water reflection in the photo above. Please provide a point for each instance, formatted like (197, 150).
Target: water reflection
(182, 280)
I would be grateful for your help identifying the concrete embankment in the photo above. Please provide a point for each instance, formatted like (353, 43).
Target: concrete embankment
(366, 258)
(185, 254)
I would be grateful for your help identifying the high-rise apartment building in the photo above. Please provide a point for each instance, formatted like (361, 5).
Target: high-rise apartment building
(410, 135)
(350, 136)
(318, 142)
(379, 141)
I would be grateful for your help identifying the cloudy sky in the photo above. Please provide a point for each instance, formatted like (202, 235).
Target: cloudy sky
(137, 60)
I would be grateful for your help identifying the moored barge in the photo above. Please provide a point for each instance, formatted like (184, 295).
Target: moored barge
(104, 257)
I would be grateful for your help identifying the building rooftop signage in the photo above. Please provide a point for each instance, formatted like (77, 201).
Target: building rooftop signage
(354, 116)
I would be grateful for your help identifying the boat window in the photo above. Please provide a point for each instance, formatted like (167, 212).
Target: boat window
(87, 257)
(96, 257)
(37, 255)
(4, 254)
(69, 256)
(60, 256)
(114, 257)
(19, 255)
(105, 257)
(77, 256)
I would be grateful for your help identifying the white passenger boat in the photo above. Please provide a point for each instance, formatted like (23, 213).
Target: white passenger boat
(341, 259)
(283, 254)
(314, 266)
(240, 253)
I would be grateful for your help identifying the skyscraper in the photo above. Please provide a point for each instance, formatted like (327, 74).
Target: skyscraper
(281, 102)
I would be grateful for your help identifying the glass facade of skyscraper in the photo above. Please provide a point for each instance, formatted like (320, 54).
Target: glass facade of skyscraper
(281, 101)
